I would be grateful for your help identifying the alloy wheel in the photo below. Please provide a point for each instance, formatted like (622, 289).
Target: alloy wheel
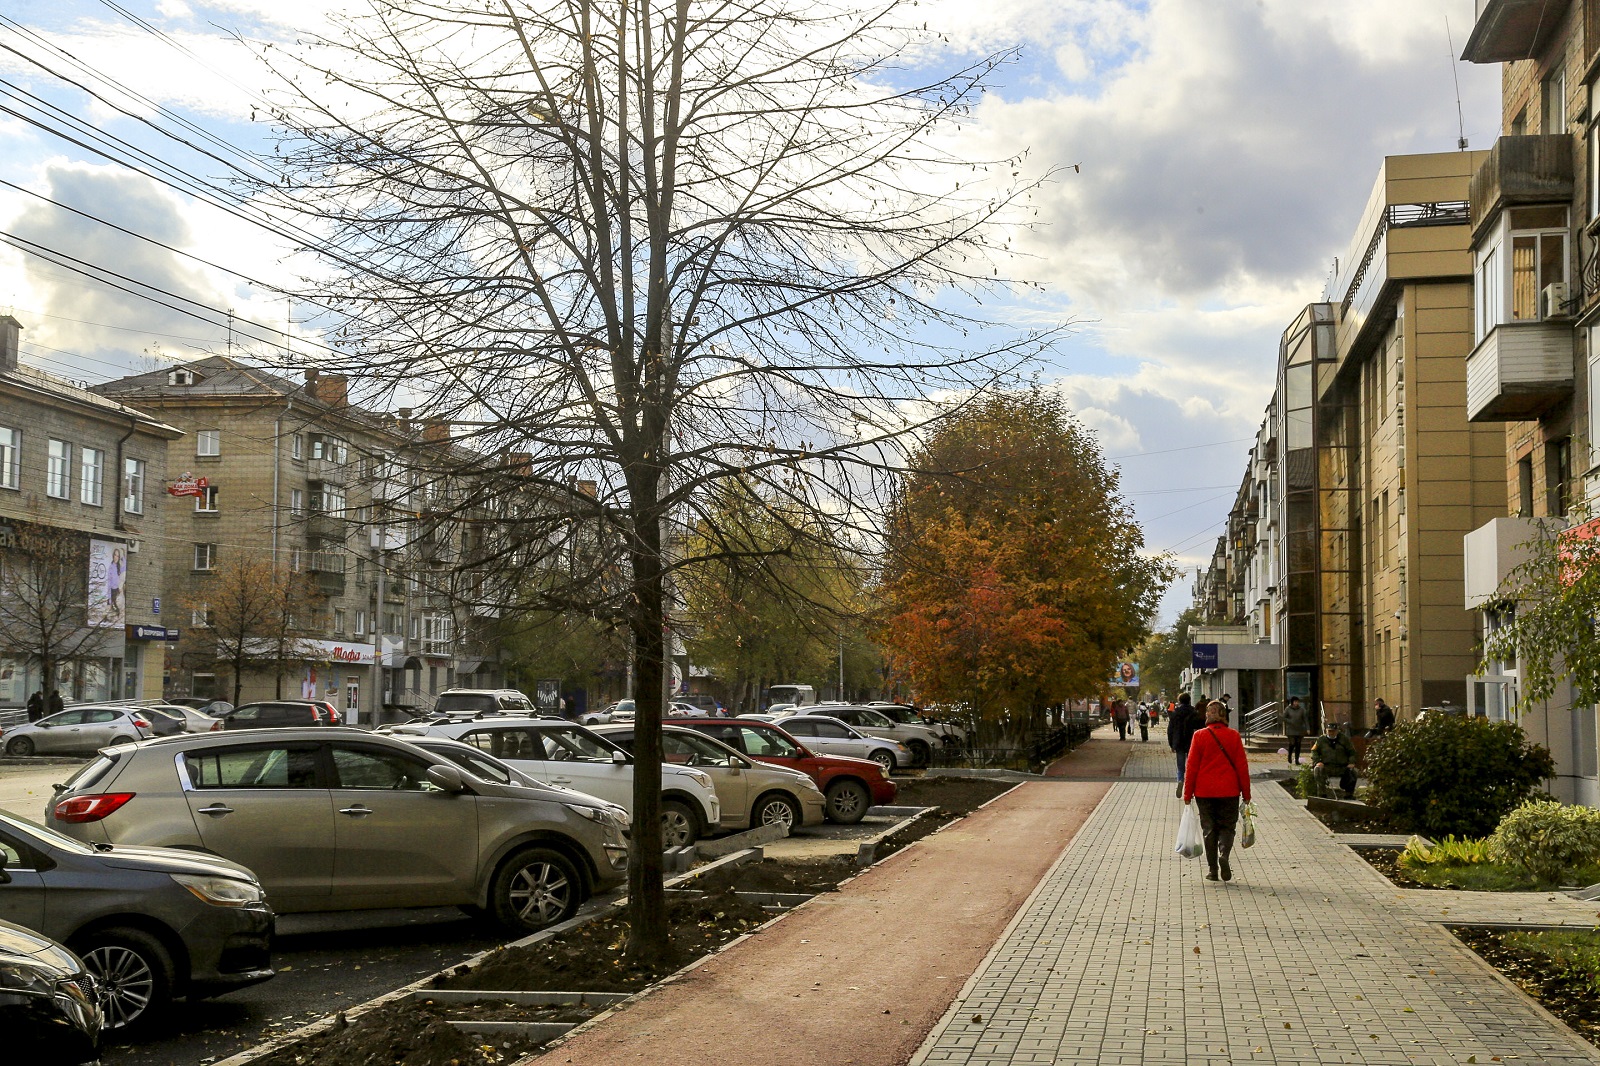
(126, 981)
(539, 893)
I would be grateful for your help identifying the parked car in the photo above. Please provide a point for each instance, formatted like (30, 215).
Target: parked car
(276, 714)
(752, 794)
(195, 721)
(918, 739)
(833, 737)
(197, 702)
(341, 819)
(48, 1011)
(483, 700)
(704, 702)
(949, 732)
(151, 924)
(621, 711)
(558, 752)
(850, 786)
(77, 731)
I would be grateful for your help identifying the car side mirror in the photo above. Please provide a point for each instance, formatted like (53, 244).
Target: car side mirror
(447, 778)
(5, 878)
(619, 757)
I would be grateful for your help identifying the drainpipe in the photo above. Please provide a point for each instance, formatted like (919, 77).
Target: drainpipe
(277, 461)
(133, 425)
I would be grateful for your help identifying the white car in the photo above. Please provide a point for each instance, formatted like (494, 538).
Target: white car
(565, 754)
(920, 740)
(949, 733)
(829, 736)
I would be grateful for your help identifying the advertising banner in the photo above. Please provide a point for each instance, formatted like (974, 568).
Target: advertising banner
(108, 580)
(1126, 675)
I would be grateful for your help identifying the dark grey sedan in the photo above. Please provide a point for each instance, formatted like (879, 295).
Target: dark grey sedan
(151, 924)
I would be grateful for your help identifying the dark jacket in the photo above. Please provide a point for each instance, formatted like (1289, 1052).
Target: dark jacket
(1385, 718)
(1296, 721)
(1334, 753)
(1181, 726)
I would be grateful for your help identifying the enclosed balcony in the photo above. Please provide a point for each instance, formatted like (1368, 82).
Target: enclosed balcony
(1519, 370)
(1508, 30)
(323, 526)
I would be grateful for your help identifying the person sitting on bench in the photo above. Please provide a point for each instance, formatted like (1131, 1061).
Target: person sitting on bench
(1332, 754)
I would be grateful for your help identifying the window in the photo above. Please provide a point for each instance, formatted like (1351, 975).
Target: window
(133, 486)
(361, 623)
(205, 556)
(58, 472)
(328, 500)
(1553, 94)
(386, 770)
(416, 627)
(330, 448)
(1510, 287)
(297, 446)
(208, 442)
(180, 377)
(10, 458)
(297, 502)
(1525, 486)
(296, 560)
(1594, 396)
(207, 500)
(767, 742)
(201, 616)
(1558, 475)
(338, 619)
(279, 766)
(1594, 169)
(91, 463)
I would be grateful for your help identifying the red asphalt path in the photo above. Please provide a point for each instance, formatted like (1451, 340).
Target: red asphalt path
(860, 976)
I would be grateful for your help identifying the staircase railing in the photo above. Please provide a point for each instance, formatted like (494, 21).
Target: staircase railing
(1266, 719)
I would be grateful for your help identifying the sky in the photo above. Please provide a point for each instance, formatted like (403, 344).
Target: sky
(1225, 149)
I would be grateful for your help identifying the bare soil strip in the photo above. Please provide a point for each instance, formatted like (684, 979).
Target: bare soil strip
(859, 975)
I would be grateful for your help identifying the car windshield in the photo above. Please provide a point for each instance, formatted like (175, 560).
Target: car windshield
(44, 834)
(872, 718)
(694, 750)
(476, 764)
(577, 746)
(769, 742)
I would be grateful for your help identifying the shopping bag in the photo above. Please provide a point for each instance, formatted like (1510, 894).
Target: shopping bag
(1189, 843)
(1247, 835)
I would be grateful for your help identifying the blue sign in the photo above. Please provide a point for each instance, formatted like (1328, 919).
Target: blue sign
(155, 605)
(1203, 656)
(142, 632)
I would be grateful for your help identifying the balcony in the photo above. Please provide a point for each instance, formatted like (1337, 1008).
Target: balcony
(1519, 370)
(1508, 30)
(323, 526)
(326, 471)
(1527, 169)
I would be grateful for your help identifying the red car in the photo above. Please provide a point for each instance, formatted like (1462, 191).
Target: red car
(850, 785)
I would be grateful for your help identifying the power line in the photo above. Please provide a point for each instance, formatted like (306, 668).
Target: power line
(1185, 448)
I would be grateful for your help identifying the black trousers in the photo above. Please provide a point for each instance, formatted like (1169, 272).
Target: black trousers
(1219, 818)
(1294, 749)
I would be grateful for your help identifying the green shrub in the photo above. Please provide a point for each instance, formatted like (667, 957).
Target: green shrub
(1451, 851)
(1549, 840)
(1448, 776)
(1306, 782)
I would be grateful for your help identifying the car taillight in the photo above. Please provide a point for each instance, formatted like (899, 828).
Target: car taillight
(141, 723)
(91, 808)
(214, 727)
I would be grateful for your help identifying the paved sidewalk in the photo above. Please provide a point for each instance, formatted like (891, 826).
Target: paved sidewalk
(1125, 954)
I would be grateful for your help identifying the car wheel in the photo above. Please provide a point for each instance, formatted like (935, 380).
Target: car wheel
(884, 758)
(535, 888)
(134, 972)
(848, 802)
(20, 746)
(679, 827)
(122, 740)
(921, 754)
(775, 809)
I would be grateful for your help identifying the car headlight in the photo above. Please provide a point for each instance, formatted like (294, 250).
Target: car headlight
(15, 977)
(699, 776)
(614, 816)
(221, 891)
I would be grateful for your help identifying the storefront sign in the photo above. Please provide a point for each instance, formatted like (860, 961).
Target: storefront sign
(139, 632)
(1203, 656)
(337, 651)
(188, 485)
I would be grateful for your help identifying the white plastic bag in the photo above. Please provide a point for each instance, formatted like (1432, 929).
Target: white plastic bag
(1247, 835)
(1189, 843)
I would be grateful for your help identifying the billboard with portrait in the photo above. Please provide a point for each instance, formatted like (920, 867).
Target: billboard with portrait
(1126, 675)
(108, 580)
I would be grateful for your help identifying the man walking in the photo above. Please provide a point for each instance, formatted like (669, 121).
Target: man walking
(1332, 754)
(1216, 777)
(1181, 725)
(1119, 715)
(36, 706)
(1295, 727)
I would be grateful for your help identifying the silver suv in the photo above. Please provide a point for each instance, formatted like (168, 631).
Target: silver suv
(341, 819)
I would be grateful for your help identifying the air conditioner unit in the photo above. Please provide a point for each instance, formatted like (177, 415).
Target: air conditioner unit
(1553, 300)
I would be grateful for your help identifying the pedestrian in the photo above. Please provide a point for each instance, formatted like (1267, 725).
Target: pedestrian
(1227, 707)
(1295, 726)
(1119, 715)
(1144, 722)
(1181, 725)
(1383, 718)
(1215, 779)
(36, 706)
(1332, 754)
(55, 703)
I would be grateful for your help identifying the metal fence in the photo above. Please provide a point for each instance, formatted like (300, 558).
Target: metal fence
(1024, 754)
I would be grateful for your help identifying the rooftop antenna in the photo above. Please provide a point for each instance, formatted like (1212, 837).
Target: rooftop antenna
(1461, 122)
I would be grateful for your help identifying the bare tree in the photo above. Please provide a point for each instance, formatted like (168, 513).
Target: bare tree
(653, 245)
(44, 595)
(255, 614)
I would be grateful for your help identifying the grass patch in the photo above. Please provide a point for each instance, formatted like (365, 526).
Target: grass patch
(1574, 953)
(1471, 877)
(1559, 969)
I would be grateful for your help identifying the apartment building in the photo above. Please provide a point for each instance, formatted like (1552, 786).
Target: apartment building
(82, 530)
(1366, 472)
(1534, 373)
(295, 473)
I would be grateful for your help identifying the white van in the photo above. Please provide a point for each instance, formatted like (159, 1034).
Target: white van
(798, 695)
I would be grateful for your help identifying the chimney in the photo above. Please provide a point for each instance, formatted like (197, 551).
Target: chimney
(10, 340)
(329, 388)
(590, 489)
(520, 463)
(435, 430)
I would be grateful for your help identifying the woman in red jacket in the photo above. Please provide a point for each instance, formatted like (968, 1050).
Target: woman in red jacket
(1217, 774)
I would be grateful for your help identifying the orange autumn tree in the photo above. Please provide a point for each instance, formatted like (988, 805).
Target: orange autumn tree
(1014, 578)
